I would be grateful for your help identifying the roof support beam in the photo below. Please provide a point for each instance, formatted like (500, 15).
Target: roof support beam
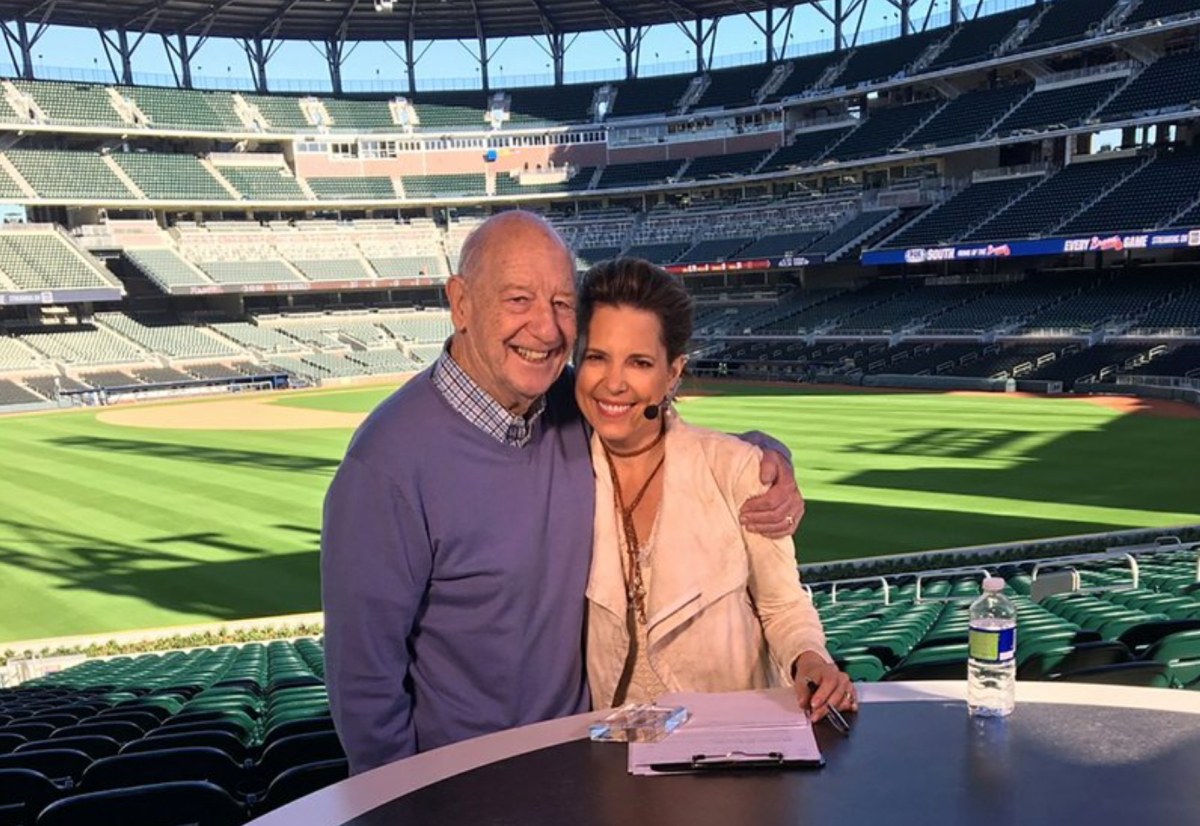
(207, 18)
(702, 34)
(258, 54)
(20, 44)
(410, 47)
(629, 40)
(179, 56)
(773, 27)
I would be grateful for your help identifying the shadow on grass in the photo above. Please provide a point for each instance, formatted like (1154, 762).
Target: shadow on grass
(210, 455)
(262, 584)
(833, 531)
(1135, 462)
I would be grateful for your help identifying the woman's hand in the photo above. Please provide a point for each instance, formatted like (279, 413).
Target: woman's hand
(832, 686)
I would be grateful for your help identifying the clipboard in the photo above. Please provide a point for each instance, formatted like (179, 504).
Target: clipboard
(738, 731)
(737, 761)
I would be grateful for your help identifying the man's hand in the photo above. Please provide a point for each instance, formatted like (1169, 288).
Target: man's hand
(776, 513)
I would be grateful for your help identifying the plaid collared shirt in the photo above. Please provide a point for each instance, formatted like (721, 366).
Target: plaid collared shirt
(480, 409)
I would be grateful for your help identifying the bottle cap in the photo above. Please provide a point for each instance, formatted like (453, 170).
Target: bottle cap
(993, 583)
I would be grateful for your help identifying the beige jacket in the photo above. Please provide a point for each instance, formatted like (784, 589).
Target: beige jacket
(725, 609)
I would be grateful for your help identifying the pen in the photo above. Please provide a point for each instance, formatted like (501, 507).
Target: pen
(834, 716)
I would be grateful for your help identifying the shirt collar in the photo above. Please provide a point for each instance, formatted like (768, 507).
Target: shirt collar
(475, 405)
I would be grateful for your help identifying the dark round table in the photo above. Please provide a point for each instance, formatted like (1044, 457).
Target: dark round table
(1070, 753)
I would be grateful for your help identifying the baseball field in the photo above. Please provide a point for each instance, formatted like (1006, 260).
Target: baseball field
(155, 515)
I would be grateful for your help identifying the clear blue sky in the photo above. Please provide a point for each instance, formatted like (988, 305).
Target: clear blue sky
(78, 53)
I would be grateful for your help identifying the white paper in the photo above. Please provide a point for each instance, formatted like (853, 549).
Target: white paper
(744, 725)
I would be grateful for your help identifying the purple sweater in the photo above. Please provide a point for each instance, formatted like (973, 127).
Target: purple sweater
(453, 571)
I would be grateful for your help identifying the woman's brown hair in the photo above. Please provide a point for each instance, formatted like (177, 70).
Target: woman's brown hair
(633, 282)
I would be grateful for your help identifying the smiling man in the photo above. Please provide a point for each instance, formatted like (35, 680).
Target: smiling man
(457, 532)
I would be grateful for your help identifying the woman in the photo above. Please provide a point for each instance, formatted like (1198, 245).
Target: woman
(681, 598)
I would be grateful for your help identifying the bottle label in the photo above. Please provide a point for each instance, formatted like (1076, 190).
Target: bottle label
(992, 645)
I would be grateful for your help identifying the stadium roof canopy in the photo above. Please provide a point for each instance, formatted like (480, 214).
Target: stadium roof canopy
(261, 26)
(357, 20)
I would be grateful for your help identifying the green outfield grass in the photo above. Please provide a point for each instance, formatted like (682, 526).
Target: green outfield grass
(105, 527)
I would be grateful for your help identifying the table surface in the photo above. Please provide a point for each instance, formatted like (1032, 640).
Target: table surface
(1069, 753)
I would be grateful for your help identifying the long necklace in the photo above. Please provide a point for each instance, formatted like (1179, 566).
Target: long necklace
(635, 586)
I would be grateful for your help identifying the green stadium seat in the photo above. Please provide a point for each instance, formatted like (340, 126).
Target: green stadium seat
(94, 746)
(1138, 674)
(1181, 652)
(151, 805)
(1046, 665)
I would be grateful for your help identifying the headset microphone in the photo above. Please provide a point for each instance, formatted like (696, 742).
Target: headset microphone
(651, 411)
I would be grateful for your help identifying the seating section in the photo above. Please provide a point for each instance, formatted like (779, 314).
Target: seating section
(851, 231)
(348, 114)
(729, 165)
(84, 345)
(881, 61)
(249, 725)
(257, 338)
(1146, 200)
(1046, 206)
(445, 186)
(263, 183)
(353, 189)
(959, 213)
(1004, 305)
(968, 117)
(13, 393)
(45, 260)
(883, 130)
(1065, 20)
(16, 356)
(72, 104)
(1061, 106)
(731, 88)
(166, 268)
(451, 110)
(1119, 299)
(180, 177)
(185, 109)
(1168, 83)
(75, 175)
(282, 113)
(551, 105)
(804, 74)
(169, 339)
(805, 149)
(649, 95)
(1149, 11)
(638, 174)
(979, 40)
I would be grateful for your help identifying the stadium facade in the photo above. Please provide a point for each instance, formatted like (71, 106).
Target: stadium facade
(1013, 197)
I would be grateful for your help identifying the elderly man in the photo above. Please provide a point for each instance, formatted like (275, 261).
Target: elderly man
(458, 530)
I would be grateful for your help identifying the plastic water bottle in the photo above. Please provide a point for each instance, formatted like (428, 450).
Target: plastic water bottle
(992, 664)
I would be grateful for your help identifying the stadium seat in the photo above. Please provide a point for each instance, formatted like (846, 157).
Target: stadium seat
(227, 726)
(1180, 651)
(296, 782)
(220, 740)
(1139, 674)
(120, 730)
(296, 750)
(24, 793)
(1149, 633)
(54, 718)
(9, 742)
(1049, 664)
(299, 725)
(161, 804)
(145, 719)
(137, 769)
(30, 731)
(94, 746)
(63, 765)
